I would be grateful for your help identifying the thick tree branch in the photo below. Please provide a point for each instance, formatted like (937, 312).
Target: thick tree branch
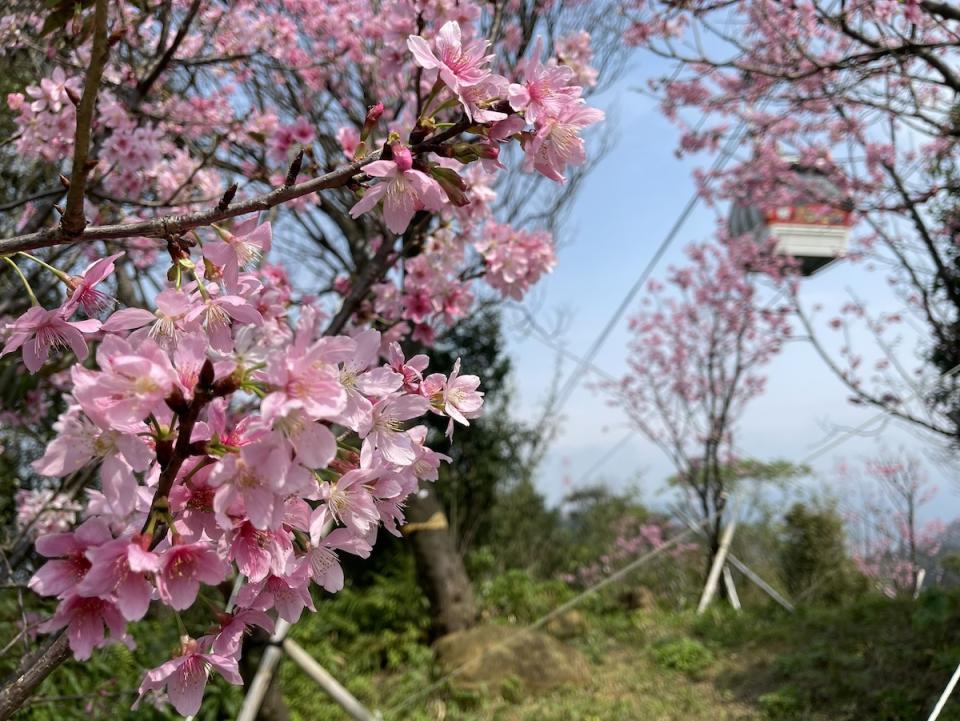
(944, 10)
(370, 274)
(73, 221)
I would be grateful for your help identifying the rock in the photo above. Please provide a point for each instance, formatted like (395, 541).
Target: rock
(638, 598)
(493, 655)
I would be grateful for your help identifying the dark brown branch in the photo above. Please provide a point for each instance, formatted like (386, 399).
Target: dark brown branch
(73, 221)
(177, 224)
(143, 87)
(944, 10)
(31, 673)
(171, 458)
(370, 274)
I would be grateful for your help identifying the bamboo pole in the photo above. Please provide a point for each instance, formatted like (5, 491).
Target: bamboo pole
(328, 683)
(268, 666)
(942, 701)
(710, 588)
(731, 588)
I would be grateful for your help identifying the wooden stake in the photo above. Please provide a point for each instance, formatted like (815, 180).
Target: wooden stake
(261, 681)
(748, 572)
(761, 584)
(718, 561)
(731, 589)
(328, 683)
(942, 701)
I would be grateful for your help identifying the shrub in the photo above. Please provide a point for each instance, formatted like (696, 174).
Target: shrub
(685, 655)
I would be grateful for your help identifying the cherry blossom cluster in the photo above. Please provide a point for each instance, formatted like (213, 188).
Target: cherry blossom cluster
(153, 149)
(633, 539)
(40, 512)
(515, 259)
(230, 440)
(235, 425)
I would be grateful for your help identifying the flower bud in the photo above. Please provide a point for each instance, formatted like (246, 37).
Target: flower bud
(469, 152)
(402, 157)
(373, 116)
(453, 185)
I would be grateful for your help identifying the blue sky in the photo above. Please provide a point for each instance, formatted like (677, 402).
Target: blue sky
(623, 211)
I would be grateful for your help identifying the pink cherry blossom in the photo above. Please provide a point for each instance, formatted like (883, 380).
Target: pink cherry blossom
(459, 64)
(119, 569)
(252, 478)
(404, 191)
(185, 676)
(321, 560)
(557, 142)
(229, 640)
(239, 249)
(287, 594)
(131, 384)
(52, 95)
(69, 563)
(385, 433)
(461, 399)
(545, 92)
(411, 370)
(183, 568)
(347, 500)
(84, 293)
(258, 552)
(85, 619)
(40, 330)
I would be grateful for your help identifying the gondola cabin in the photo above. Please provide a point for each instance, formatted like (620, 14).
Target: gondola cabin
(814, 229)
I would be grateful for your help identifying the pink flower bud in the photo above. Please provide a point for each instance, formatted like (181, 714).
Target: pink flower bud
(373, 116)
(402, 157)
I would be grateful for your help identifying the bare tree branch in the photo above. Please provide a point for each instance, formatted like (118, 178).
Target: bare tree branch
(73, 221)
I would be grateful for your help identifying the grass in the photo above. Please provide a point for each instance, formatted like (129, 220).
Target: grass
(873, 659)
(876, 659)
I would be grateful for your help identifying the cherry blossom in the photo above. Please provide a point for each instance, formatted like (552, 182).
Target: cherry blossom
(459, 64)
(404, 191)
(249, 425)
(185, 676)
(39, 331)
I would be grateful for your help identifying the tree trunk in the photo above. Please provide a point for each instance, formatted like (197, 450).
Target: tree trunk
(440, 570)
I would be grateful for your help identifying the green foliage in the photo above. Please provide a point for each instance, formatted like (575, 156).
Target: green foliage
(686, 655)
(519, 597)
(524, 533)
(813, 556)
(392, 604)
(784, 704)
(874, 658)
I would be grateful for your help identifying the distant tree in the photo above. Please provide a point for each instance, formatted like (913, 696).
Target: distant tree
(813, 555)
(893, 545)
(698, 345)
(866, 93)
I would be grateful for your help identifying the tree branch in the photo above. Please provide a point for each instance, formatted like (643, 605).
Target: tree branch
(31, 673)
(73, 221)
(170, 225)
(143, 87)
(944, 10)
